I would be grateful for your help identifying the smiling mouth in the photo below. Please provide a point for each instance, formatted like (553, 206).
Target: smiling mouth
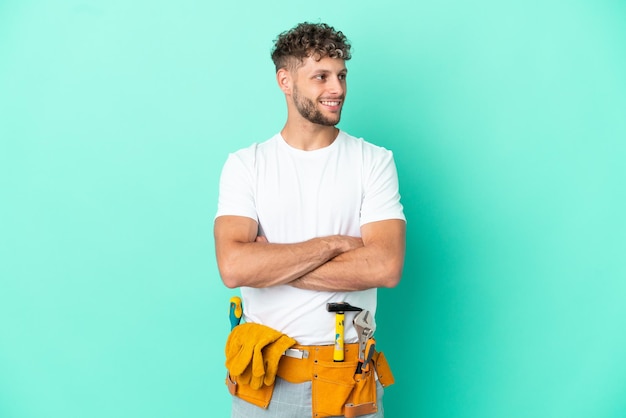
(331, 102)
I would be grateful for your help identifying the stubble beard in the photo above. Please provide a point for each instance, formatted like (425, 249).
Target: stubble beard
(307, 109)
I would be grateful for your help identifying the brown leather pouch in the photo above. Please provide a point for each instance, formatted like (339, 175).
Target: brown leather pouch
(338, 391)
(333, 383)
(385, 377)
(259, 397)
(362, 400)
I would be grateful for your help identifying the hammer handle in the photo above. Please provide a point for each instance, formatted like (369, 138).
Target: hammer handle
(338, 354)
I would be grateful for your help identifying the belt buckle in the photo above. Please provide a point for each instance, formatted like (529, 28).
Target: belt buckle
(295, 353)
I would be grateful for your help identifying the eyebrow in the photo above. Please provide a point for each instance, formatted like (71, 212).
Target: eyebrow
(323, 71)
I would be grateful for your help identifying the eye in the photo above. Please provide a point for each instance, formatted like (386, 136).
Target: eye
(342, 76)
(320, 77)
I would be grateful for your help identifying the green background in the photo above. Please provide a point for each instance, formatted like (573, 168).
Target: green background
(507, 120)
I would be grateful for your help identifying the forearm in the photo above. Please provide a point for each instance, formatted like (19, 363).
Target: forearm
(336, 262)
(262, 264)
(378, 263)
(355, 270)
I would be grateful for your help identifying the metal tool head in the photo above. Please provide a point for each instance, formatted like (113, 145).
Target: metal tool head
(364, 324)
(364, 320)
(341, 307)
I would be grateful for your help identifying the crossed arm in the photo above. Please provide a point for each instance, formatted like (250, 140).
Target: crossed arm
(336, 262)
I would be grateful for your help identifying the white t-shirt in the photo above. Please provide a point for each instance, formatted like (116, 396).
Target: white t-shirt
(296, 195)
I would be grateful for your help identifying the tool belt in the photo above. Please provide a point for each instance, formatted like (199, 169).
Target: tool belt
(337, 390)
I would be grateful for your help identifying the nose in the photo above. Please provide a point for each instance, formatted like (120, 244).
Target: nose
(337, 86)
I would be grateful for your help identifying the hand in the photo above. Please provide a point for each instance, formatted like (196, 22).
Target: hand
(347, 243)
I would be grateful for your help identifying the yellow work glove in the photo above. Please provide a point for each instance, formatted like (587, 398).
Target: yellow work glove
(264, 365)
(255, 372)
(271, 356)
(244, 352)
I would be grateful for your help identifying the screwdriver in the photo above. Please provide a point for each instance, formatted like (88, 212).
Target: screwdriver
(236, 311)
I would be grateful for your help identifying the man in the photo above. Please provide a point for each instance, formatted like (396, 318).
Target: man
(309, 217)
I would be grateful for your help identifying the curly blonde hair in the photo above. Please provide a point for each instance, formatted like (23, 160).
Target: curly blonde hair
(317, 40)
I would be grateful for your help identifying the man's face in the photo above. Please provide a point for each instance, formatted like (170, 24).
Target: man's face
(319, 90)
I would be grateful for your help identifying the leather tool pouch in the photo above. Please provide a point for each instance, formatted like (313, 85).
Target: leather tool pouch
(363, 398)
(333, 383)
(259, 397)
(385, 377)
(338, 391)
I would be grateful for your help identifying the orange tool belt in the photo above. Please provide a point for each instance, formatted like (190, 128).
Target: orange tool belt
(337, 390)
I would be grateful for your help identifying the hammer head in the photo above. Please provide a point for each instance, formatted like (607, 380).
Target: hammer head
(341, 307)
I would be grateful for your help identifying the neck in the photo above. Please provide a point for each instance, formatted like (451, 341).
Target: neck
(308, 136)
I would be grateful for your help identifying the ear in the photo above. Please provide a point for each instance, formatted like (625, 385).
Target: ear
(284, 79)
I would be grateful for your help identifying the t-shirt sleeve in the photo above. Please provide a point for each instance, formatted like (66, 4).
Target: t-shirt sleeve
(381, 195)
(236, 189)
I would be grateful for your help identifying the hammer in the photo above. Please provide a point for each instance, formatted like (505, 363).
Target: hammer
(340, 309)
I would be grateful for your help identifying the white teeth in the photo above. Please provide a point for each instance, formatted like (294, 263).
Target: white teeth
(326, 103)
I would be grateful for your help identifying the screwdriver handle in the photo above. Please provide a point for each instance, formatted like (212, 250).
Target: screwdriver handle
(236, 311)
(369, 352)
(364, 363)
